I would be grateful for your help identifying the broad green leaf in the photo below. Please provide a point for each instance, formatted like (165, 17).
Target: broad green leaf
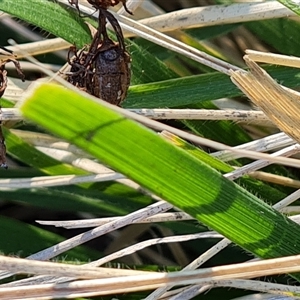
(169, 172)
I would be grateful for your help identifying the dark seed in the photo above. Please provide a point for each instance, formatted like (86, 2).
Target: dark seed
(104, 69)
(111, 77)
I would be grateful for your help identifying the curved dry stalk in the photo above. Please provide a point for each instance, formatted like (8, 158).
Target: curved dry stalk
(89, 165)
(92, 166)
(45, 140)
(165, 217)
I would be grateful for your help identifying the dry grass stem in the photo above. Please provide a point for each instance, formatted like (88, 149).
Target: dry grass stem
(259, 164)
(202, 114)
(216, 15)
(274, 59)
(265, 144)
(39, 47)
(165, 217)
(59, 180)
(80, 239)
(134, 283)
(276, 179)
(26, 266)
(141, 245)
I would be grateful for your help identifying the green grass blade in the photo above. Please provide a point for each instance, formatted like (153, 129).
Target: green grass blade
(26, 153)
(169, 172)
(34, 239)
(277, 33)
(146, 67)
(50, 16)
(262, 190)
(196, 89)
(75, 199)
